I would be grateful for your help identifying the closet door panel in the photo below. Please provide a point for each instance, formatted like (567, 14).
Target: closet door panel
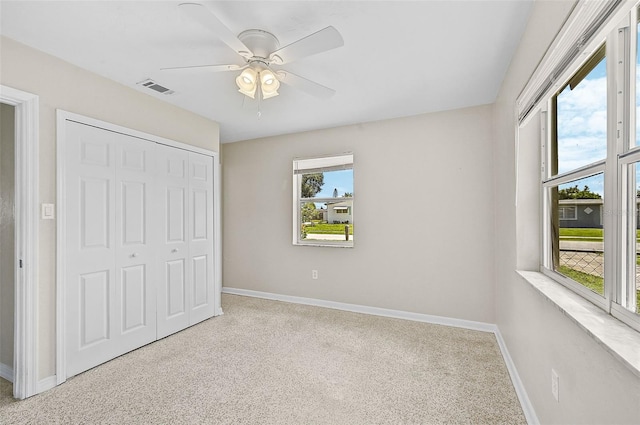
(90, 297)
(94, 308)
(136, 240)
(173, 248)
(176, 289)
(134, 293)
(111, 276)
(201, 236)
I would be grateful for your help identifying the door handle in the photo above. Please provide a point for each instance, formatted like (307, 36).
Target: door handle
(134, 255)
(174, 250)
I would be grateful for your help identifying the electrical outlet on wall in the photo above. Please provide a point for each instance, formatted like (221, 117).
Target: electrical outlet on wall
(314, 274)
(555, 384)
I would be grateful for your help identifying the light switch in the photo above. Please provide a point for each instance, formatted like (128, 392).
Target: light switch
(48, 211)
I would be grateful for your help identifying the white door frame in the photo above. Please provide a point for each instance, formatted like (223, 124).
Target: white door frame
(61, 256)
(25, 369)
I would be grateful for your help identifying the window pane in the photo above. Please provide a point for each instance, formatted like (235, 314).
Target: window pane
(326, 220)
(638, 86)
(327, 184)
(323, 222)
(631, 296)
(576, 231)
(581, 119)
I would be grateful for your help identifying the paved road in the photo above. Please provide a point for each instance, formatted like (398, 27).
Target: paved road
(582, 246)
(586, 246)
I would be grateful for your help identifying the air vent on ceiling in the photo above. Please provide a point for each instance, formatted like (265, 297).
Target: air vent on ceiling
(150, 84)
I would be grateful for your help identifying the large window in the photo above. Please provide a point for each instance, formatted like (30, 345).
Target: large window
(591, 173)
(323, 201)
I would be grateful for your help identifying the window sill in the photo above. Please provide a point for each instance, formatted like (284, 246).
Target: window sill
(621, 341)
(324, 244)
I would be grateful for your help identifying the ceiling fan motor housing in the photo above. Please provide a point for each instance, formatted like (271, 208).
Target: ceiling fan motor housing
(261, 43)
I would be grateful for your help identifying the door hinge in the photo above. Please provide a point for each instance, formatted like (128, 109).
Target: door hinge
(20, 263)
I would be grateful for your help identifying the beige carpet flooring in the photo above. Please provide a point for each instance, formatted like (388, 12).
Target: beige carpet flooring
(268, 362)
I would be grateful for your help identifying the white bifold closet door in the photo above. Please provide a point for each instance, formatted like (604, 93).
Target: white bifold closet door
(111, 272)
(139, 220)
(185, 295)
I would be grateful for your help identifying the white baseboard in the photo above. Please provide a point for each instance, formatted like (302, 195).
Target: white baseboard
(6, 372)
(525, 403)
(375, 311)
(527, 407)
(46, 384)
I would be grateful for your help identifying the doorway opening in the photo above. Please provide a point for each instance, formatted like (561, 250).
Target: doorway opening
(24, 261)
(7, 239)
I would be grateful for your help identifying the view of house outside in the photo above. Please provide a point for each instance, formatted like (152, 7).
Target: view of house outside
(326, 206)
(580, 242)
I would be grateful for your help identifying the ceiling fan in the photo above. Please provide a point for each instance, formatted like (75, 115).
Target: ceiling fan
(262, 55)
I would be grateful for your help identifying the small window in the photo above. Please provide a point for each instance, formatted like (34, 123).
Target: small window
(323, 201)
(568, 212)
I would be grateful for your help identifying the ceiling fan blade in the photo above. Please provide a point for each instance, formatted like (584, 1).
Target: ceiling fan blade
(205, 68)
(307, 86)
(207, 18)
(318, 42)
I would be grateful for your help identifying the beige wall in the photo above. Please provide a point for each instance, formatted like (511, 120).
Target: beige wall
(437, 260)
(61, 85)
(454, 172)
(594, 387)
(7, 231)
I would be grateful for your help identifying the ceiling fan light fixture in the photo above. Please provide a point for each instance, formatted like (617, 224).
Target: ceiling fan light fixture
(250, 93)
(267, 77)
(267, 95)
(247, 82)
(269, 84)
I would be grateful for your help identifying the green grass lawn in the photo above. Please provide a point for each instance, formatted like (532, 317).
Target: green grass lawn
(582, 234)
(328, 229)
(595, 283)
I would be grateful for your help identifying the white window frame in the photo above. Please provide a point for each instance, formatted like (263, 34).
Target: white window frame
(325, 163)
(615, 22)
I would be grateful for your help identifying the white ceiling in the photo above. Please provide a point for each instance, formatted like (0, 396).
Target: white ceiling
(399, 58)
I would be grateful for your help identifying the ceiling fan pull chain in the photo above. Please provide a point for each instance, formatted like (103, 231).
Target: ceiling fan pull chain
(259, 104)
